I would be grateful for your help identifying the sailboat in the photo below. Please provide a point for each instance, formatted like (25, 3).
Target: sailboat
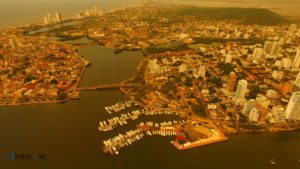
(273, 162)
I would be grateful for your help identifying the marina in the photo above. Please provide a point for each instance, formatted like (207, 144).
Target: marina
(113, 145)
(120, 106)
(121, 120)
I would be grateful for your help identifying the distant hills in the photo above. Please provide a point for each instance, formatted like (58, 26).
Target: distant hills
(247, 16)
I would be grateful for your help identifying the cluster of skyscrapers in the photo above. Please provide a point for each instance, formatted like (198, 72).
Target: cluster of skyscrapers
(254, 107)
(48, 19)
(90, 12)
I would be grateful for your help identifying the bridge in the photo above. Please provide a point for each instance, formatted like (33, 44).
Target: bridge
(106, 86)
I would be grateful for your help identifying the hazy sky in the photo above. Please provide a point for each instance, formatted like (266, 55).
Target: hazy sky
(250, 1)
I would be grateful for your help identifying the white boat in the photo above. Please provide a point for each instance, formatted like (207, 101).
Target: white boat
(273, 162)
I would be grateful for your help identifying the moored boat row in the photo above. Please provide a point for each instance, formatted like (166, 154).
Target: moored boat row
(121, 120)
(164, 124)
(116, 143)
(165, 112)
(120, 106)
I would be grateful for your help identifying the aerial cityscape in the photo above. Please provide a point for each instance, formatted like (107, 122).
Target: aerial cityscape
(197, 76)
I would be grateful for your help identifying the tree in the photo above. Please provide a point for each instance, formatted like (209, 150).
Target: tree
(207, 74)
(165, 106)
(239, 62)
(223, 106)
(61, 96)
(226, 67)
(27, 79)
(53, 81)
(216, 81)
(189, 82)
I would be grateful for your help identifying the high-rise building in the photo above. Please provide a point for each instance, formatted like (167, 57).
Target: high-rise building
(254, 115)
(58, 17)
(100, 13)
(275, 49)
(87, 13)
(292, 111)
(49, 18)
(14, 44)
(272, 48)
(231, 81)
(96, 11)
(257, 53)
(296, 62)
(46, 20)
(240, 92)
(249, 104)
(267, 47)
(297, 81)
(278, 112)
(293, 28)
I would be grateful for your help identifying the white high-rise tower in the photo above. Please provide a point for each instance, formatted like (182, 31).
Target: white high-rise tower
(240, 92)
(292, 111)
(96, 11)
(275, 49)
(267, 47)
(46, 20)
(58, 17)
(296, 62)
(297, 81)
(257, 53)
(14, 44)
(49, 18)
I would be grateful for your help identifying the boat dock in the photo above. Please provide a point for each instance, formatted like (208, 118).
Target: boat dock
(113, 145)
(121, 120)
(120, 106)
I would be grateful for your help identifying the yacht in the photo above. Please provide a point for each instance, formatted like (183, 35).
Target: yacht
(273, 162)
